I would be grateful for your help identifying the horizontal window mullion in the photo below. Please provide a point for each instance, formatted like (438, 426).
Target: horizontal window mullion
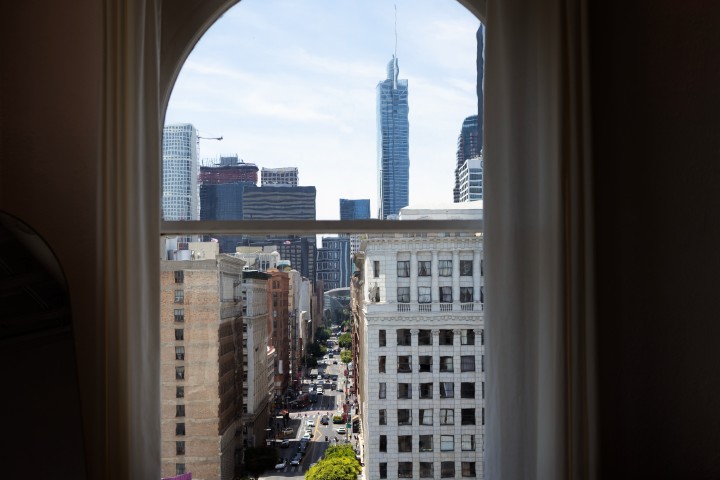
(198, 227)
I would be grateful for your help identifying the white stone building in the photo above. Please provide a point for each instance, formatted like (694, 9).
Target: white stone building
(471, 179)
(419, 327)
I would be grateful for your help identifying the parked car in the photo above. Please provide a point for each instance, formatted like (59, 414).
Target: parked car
(341, 430)
(296, 459)
(287, 431)
(285, 444)
(311, 422)
(306, 437)
(281, 465)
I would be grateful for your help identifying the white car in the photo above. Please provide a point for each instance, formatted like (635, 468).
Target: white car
(320, 391)
(306, 437)
(311, 423)
(281, 465)
(341, 430)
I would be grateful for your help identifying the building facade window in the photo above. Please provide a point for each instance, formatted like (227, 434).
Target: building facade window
(445, 268)
(382, 467)
(179, 353)
(467, 337)
(403, 294)
(466, 294)
(447, 416)
(447, 443)
(376, 269)
(404, 337)
(426, 470)
(426, 416)
(179, 392)
(467, 390)
(424, 337)
(381, 364)
(404, 416)
(179, 468)
(467, 416)
(467, 363)
(381, 338)
(447, 390)
(179, 296)
(405, 469)
(180, 448)
(404, 391)
(446, 337)
(468, 469)
(426, 390)
(382, 415)
(447, 469)
(446, 364)
(468, 443)
(179, 334)
(381, 390)
(404, 364)
(179, 315)
(403, 268)
(383, 443)
(179, 276)
(466, 268)
(424, 269)
(425, 362)
(179, 429)
(404, 443)
(446, 295)
(424, 295)
(426, 443)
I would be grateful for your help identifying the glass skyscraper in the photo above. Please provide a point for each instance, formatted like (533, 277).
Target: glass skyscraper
(180, 169)
(354, 209)
(392, 144)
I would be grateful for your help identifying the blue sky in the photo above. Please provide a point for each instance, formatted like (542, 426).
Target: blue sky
(292, 83)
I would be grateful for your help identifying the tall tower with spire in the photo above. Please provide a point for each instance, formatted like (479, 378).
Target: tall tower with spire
(392, 142)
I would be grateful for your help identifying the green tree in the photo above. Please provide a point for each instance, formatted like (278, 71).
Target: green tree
(345, 340)
(323, 333)
(339, 463)
(311, 362)
(346, 356)
(259, 459)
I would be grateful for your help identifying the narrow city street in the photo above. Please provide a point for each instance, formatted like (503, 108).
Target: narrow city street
(328, 404)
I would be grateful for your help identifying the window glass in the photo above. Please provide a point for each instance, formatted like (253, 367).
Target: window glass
(467, 416)
(376, 269)
(425, 443)
(404, 443)
(404, 416)
(381, 390)
(426, 470)
(467, 363)
(467, 337)
(468, 469)
(424, 295)
(381, 338)
(468, 442)
(466, 268)
(404, 337)
(383, 469)
(447, 443)
(426, 390)
(424, 268)
(404, 390)
(404, 364)
(447, 390)
(383, 443)
(424, 337)
(403, 294)
(426, 416)
(447, 416)
(179, 314)
(466, 294)
(467, 390)
(446, 294)
(447, 469)
(382, 417)
(446, 337)
(404, 469)
(445, 268)
(446, 364)
(403, 268)
(179, 353)
(381, 364)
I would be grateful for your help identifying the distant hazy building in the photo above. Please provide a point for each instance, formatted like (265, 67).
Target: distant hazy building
(201, 373)
(279, 176)
(392, 142)
(333, 263)
(470, 179)
(419, 331)
(354, 209)
(279, 202)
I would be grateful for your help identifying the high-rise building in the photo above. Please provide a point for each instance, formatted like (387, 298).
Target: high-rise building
(354, 210)
(279, 328)
(419, 331)
(222, 185)
(358, 209)
(333, 263)
(279, 176)
(201, 373)
(279, 202)
(392, 142)
(467, 147)
(480, 86)
(180, 165)
(470, 179)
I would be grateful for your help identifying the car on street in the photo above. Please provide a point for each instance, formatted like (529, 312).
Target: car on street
(341, 430)
(306, 437)
(325, 420)
(287, 431)
(296, 459)
(285, 444)
(335, 362)
(320, 391)
(333, 386)
(310, 423)
(281, 465)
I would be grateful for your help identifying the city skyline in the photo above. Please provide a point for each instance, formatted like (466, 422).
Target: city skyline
(289, 94)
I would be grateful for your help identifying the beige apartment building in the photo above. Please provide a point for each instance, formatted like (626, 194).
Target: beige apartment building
(201, 336)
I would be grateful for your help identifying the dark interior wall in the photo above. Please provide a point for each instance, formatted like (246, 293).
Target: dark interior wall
(655, 78)
(51, 70)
